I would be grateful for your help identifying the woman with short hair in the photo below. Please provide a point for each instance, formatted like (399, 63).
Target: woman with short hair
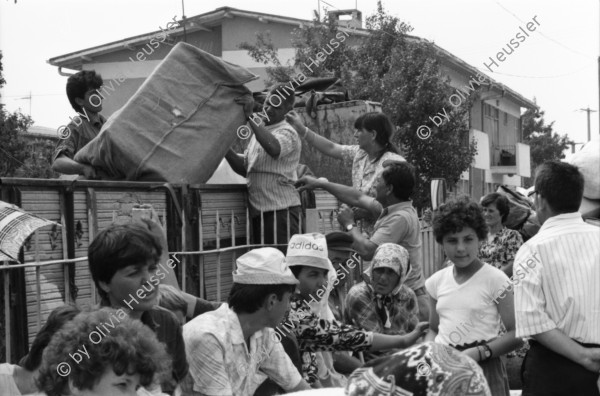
(501, 245)
(373, 133)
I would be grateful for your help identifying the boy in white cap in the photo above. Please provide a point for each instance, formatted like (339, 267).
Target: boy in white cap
(233, 349)
(307, 257)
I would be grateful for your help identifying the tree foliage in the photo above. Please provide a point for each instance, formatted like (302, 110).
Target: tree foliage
(544, 143)
(404, 75)
(401, 73)
(17, 157)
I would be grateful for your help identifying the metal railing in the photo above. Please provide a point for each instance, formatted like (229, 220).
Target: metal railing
(504, 155)
(231, 237)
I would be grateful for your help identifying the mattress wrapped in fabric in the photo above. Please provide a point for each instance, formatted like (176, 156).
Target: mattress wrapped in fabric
(177, 126)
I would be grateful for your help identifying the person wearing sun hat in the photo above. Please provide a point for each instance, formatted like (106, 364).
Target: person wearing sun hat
(397, 219)
(307, 257)
(234, 349)
(383, 303)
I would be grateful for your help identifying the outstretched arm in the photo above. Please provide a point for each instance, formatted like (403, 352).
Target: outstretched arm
(322, 144)
(68, 166)
(345, 194)
(363, 246)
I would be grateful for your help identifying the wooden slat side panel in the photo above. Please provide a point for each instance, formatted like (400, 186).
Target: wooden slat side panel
(223, 202)
(44, 203)
(210, 271)
(83, 280)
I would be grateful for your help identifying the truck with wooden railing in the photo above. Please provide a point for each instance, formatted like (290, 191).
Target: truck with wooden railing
(207, 227)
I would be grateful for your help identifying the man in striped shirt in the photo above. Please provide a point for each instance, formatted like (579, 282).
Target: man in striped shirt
(269, 164)
(557, 304)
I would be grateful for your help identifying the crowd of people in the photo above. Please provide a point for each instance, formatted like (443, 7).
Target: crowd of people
(298, 318)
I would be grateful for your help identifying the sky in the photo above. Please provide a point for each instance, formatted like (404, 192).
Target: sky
(557, 64)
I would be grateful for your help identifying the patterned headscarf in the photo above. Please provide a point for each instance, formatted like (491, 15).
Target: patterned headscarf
(427, 369)
(392, 256)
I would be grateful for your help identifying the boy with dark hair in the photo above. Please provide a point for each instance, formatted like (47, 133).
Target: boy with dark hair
(557, 306)
(397, 219)
(82, 91)
(233, 349)
(124, 263)
(269, 164)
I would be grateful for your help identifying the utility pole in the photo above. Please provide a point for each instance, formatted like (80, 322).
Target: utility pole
(573, 144)
(184, 21)
(588, 110)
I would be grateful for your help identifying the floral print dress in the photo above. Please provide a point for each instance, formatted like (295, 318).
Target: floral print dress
(499, 252)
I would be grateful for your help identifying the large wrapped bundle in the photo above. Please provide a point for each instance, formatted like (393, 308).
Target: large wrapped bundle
(177, 126)
(588, 161)
(520, 208)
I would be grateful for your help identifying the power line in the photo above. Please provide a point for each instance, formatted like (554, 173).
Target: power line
(7, 153)
(557, 76)
(27, 95)
(542, 34)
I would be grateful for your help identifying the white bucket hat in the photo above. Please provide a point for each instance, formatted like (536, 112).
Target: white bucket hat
(309, 250)
(264, 266)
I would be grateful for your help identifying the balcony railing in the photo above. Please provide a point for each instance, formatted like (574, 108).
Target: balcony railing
(504, 156)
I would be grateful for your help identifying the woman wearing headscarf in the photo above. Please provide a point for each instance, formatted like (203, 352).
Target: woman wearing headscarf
(383, 303)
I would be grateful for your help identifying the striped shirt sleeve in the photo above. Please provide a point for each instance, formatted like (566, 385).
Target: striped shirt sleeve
(288, 141)
(530, 303)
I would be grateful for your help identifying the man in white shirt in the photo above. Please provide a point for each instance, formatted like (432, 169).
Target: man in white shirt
(233, 349)
(269, 163)
(558, 305)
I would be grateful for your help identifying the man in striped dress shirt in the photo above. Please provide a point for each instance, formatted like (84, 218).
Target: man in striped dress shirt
(269, 164)
(557, 302)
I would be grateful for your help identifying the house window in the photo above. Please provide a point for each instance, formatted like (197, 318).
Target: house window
(492, 115)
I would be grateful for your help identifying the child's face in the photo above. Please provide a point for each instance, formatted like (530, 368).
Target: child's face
(462, 248)
(134, 287)
(111, 384)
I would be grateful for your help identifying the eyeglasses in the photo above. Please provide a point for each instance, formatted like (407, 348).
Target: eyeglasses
(531, 193)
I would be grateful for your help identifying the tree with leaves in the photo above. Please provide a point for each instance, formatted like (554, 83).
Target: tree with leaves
(401, 73)
(544, 143)
(17, 158)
